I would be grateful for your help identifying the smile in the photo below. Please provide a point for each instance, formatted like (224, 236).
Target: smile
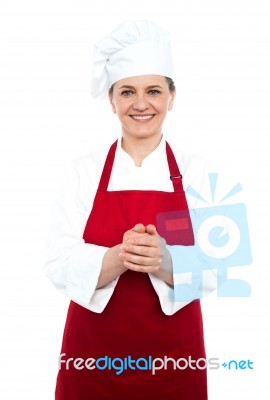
(142, 117)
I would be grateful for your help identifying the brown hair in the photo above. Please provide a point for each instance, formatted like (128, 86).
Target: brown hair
(169, 81)
(171, 84)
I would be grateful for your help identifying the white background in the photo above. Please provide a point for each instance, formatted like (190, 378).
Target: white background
(221, 51)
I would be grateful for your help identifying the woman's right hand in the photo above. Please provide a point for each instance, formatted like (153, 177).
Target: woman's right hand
(113, 265)
(138, 230)
(142, 249)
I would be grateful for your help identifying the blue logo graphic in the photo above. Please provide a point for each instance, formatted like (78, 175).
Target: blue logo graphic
(221, 240)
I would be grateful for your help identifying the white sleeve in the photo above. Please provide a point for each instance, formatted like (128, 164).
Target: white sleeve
(72, 265)
(192, 280)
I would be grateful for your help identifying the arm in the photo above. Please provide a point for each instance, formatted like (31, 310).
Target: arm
(112, 267)
(73, 266)
(166, 271)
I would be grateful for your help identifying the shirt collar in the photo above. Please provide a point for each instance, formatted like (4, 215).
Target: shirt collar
(152, 159)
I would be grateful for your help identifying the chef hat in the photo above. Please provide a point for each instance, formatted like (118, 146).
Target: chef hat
(133, 48)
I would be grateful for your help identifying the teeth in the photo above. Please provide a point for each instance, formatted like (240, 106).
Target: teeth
(141, 116)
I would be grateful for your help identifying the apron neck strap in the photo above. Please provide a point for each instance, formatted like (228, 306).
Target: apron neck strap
(175, 174)
(107, 169)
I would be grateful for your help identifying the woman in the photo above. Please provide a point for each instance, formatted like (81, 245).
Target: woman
(106, 251)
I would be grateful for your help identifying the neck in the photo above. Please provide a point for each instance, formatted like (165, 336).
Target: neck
(139, 148)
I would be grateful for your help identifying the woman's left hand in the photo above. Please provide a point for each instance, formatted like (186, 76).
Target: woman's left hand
(143, 252)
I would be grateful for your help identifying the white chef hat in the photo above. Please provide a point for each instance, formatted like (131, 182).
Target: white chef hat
(134, 48)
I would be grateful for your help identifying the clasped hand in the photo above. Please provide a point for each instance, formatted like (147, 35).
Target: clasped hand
(143, 249)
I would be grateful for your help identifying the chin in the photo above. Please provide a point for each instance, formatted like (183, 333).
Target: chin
(143, 133)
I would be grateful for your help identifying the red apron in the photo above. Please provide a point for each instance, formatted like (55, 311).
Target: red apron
(133, 323)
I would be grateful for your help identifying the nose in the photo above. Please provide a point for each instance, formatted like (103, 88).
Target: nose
(140, 102)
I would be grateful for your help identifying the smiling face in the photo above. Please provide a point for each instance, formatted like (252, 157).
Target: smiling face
(141, 104)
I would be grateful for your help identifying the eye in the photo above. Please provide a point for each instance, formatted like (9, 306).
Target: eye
(153, 92)
(126, 93)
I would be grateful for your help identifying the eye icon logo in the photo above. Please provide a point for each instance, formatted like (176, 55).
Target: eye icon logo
(221, 231)
(217, 238)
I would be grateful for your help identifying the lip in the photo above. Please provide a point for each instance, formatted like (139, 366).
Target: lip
(142, 118)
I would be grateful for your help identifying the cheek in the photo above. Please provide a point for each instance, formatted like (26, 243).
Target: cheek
(121, 108)
(162, 109)
(162, 106)
(120, 112)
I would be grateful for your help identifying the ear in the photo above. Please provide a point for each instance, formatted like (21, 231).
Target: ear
(171, 101)
(112, 103)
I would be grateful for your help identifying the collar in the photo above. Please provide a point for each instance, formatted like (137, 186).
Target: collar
(152, 159)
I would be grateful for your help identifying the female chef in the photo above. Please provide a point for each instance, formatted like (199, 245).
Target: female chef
(108, 252)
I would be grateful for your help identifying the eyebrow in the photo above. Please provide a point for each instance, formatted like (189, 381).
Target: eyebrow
(132, 87)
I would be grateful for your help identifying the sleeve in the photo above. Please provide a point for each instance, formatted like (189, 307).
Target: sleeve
(202, 269)
(192, 280)
(72, 265)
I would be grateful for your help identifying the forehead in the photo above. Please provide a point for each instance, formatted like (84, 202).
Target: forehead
(142, 80)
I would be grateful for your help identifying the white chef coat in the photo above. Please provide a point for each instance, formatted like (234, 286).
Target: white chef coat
(74, 266)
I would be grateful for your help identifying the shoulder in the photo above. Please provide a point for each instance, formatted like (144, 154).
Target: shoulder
(205, 175)
(94, 156)
(82, 173)
(91, 162)
(190, 165)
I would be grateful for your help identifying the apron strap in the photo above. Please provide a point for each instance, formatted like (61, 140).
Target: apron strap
(175, 174)
(107, 169)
